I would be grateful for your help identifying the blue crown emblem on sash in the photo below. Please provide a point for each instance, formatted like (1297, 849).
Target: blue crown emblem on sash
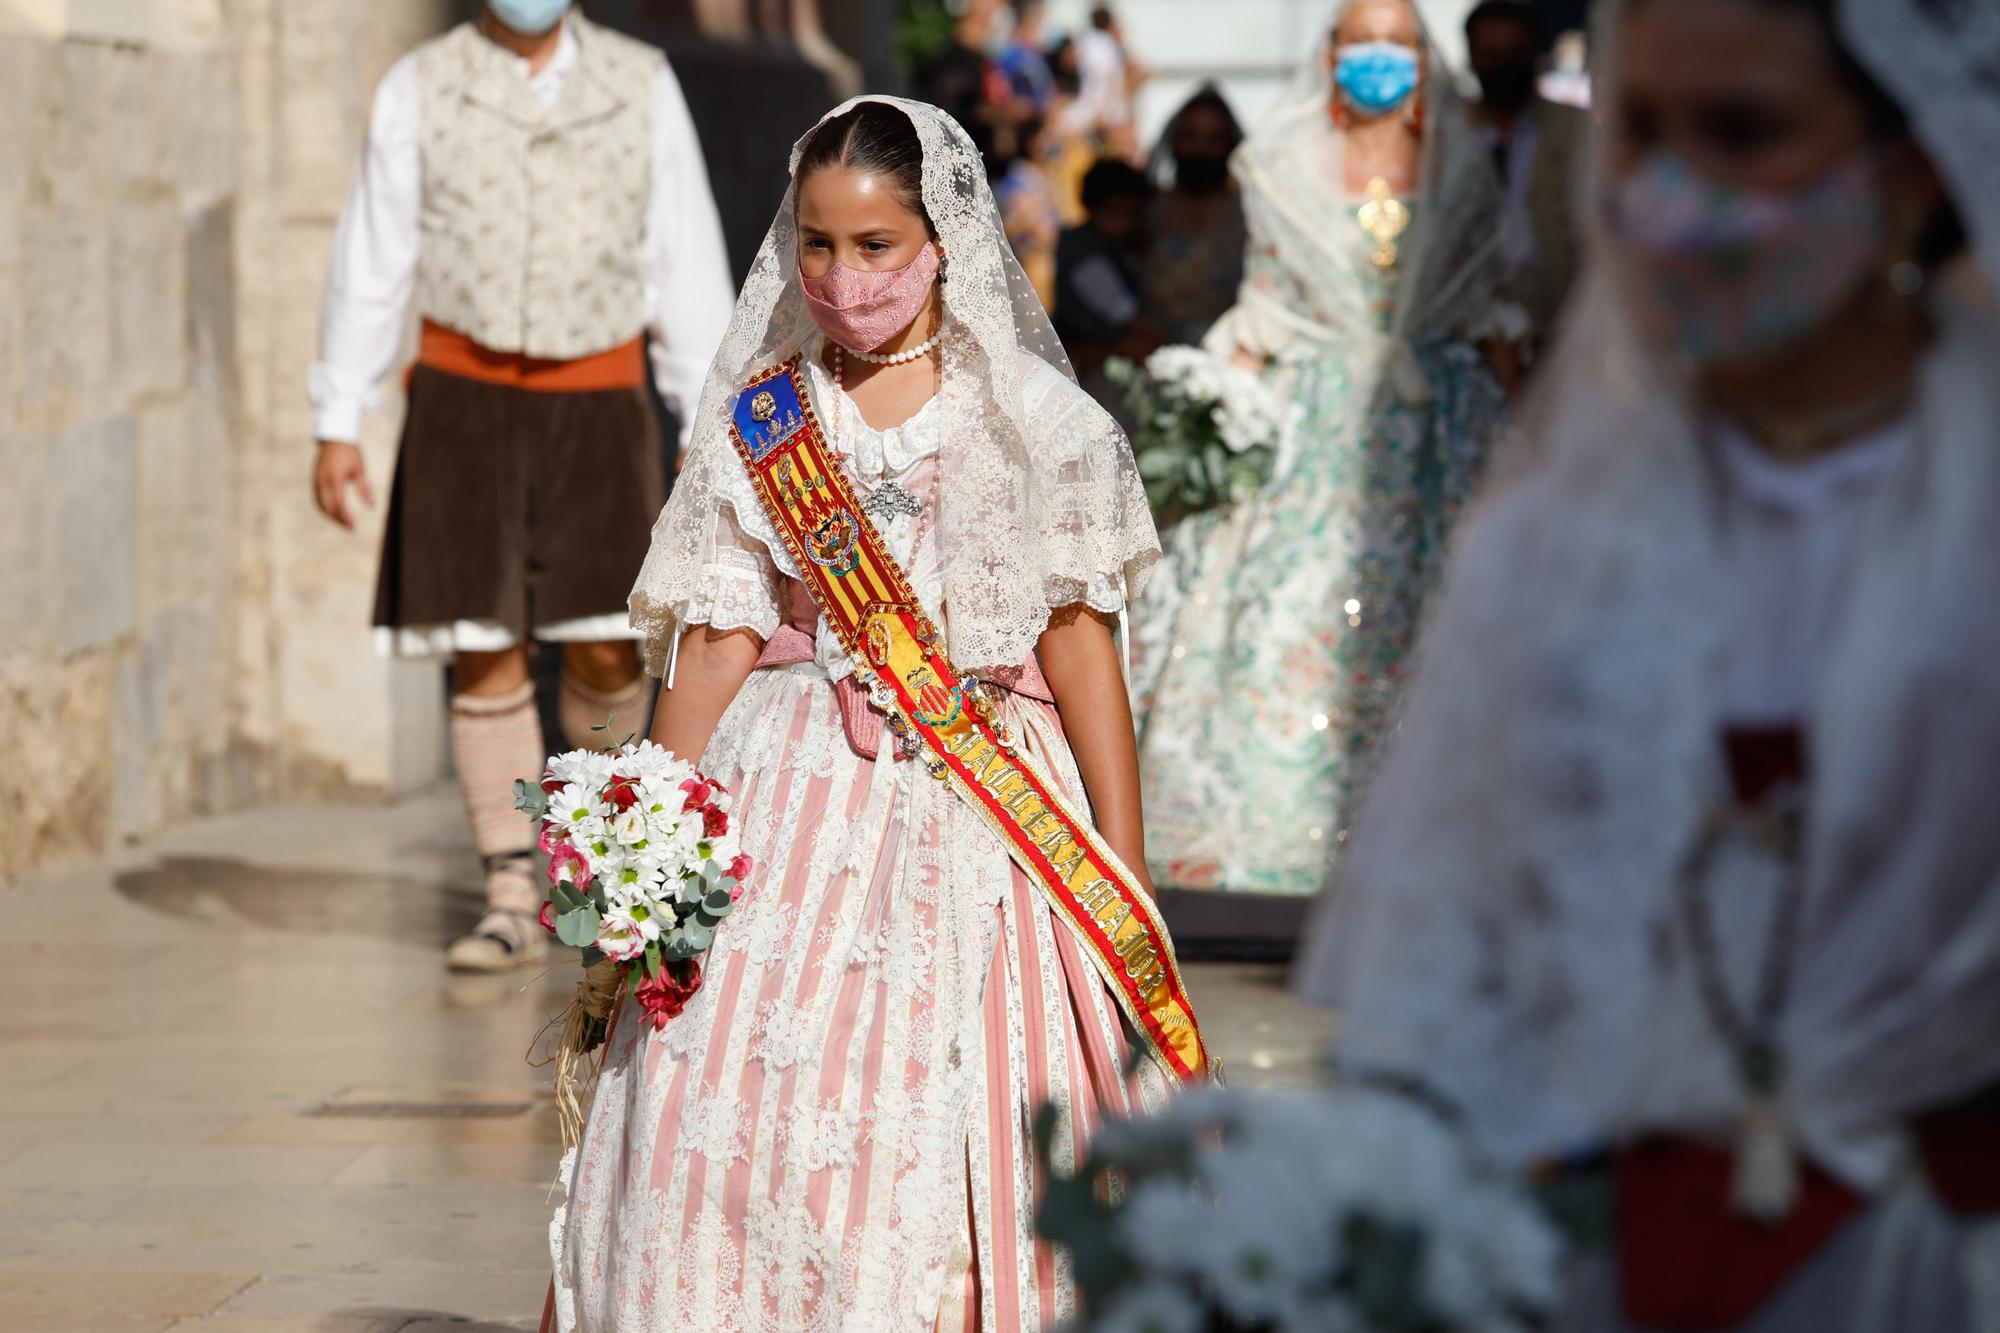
(767, 414)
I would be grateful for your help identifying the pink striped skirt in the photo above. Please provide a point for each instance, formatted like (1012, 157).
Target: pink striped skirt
(835, 1135)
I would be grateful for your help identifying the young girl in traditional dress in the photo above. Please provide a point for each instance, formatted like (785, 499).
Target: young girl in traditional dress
(835, 1134)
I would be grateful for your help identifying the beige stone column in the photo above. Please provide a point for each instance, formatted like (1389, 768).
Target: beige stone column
(334, 717)
(179, 632)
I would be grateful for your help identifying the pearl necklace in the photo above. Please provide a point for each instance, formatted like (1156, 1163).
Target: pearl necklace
(895, 358)
(925, 348)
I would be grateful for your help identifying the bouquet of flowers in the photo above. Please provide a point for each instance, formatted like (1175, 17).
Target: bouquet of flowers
(1206, 430)
(1351, 1210)
(643, 868)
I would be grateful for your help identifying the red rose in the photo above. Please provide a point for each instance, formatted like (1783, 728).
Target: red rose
(700, 791)
(548, 917)
(739, 869)
(663, 995)
(551, 784)
(713, 822)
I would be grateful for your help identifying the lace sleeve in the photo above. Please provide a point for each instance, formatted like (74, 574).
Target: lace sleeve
(706, 567)
(1099, 543)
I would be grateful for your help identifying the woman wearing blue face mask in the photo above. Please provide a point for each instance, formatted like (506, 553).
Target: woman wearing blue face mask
(1270, 648)
(1684, 870)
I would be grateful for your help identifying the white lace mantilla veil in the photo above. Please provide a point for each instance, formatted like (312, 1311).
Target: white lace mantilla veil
(1289, 171)
(1512, 945)
(1040, 504)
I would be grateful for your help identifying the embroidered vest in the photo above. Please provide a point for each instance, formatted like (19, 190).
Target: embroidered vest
(534, 218)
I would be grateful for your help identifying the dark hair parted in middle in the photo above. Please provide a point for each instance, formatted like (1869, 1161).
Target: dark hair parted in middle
(877, 138)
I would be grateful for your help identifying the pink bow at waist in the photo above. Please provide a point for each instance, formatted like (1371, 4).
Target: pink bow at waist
(862, 722)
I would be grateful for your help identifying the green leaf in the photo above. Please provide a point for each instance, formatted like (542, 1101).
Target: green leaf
(1218, 467)
(652, 958)
(717, 903)
(567, 897)
(579, 927)
(689, 940)
(530, 799)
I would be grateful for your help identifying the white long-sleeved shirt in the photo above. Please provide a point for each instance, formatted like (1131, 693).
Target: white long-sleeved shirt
(689, 294)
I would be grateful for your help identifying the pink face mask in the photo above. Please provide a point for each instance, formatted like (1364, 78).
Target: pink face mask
(863, 308)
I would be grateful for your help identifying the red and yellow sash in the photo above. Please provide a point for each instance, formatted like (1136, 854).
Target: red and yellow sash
(864, 597)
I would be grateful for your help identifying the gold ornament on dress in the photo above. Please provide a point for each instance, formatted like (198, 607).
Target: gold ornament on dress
(1384, 218)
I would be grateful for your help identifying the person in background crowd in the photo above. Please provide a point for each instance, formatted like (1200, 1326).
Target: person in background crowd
(1538, 149)
(1029, 206)
(533, 183)
(1194, 256)
(1567, 79)
(1102, 111)
(1070, 152)
(1686, 849)
(1024, 62)
(1268, 656)
(1098, 313)
(959, 80)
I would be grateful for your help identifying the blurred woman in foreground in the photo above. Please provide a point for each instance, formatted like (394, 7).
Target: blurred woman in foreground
(1686, 849)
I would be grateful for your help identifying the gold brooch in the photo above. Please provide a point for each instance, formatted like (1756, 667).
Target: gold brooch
(763, 407)
(1385, 219)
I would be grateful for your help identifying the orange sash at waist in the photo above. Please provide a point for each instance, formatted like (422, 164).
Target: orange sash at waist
(448, 350)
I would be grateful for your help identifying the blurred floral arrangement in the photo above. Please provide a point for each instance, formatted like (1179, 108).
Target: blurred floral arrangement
(1350, 1211)
(1206, 429)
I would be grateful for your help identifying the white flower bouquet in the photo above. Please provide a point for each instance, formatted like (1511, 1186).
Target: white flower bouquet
(643, 868)
(1206, 430)
(1352, 1210)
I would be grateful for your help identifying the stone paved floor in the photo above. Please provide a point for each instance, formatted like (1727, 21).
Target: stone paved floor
(239, 1093)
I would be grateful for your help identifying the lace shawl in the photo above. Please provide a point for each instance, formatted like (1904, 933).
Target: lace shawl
(1040, 505)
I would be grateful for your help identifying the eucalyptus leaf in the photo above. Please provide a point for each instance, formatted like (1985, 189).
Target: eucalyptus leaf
(530, 799)
(579, 927)
(717, 904)
(652, 958)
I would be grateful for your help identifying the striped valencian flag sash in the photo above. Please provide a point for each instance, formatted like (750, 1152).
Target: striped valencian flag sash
(864, 596)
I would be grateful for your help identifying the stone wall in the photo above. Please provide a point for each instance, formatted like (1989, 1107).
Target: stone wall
(179, 632)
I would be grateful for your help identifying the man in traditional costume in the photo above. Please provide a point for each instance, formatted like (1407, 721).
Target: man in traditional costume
(534, 184)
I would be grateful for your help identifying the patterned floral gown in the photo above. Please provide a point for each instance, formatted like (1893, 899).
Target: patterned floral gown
(1271, 642)
(835, 1134)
